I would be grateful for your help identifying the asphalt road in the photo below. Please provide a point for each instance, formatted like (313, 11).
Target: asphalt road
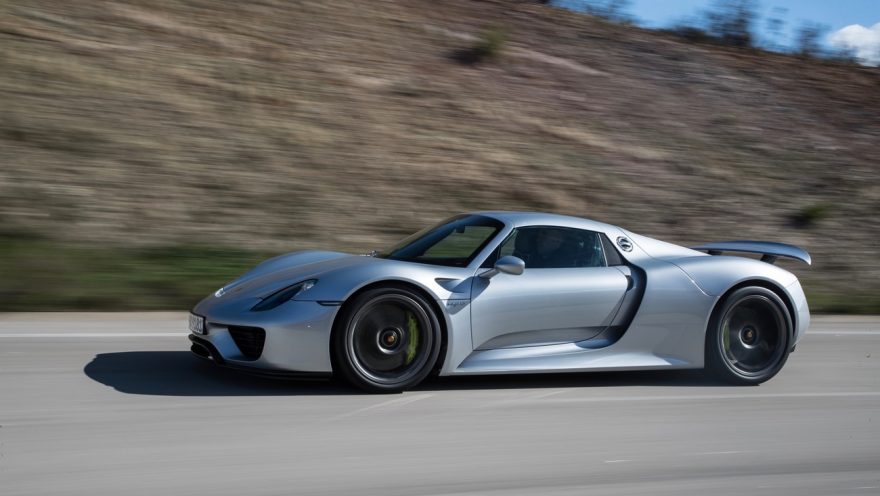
(113, 404)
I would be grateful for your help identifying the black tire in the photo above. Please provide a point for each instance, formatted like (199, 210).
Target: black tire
(749, 336)
(386, 340)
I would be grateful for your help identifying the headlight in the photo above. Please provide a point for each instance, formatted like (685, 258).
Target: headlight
(279, 297)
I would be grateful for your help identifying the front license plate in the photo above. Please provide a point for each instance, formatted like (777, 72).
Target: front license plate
(196, 324)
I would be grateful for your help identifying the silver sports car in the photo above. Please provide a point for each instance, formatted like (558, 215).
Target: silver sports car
(509, 292)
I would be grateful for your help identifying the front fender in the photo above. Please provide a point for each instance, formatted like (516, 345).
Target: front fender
(442, 283)
(450, 287)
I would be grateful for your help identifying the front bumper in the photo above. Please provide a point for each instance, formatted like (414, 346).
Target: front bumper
(203, 348)
(297, 338)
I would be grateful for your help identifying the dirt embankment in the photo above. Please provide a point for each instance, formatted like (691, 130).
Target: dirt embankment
(279, 125)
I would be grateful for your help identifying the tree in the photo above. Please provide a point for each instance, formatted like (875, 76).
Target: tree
(732, 21)
(775, 25)
(807, 42)
(612, 10)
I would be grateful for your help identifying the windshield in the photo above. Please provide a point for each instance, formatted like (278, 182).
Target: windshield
(453, 243)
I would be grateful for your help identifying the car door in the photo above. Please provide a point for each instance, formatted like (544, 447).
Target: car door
(567, 292)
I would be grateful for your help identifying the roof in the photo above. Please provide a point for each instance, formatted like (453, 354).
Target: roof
(519, 219)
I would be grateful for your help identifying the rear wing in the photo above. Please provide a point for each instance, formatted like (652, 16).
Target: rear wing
(769, 251)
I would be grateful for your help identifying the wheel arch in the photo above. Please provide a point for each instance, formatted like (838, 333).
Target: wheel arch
(442, 318)
(762, 283)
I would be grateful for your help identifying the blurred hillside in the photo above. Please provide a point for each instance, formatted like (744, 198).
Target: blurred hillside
(277, 125)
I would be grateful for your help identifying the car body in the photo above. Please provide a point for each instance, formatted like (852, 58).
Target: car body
(614, 300)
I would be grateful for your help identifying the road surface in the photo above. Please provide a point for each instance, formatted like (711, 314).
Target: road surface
(113, 404)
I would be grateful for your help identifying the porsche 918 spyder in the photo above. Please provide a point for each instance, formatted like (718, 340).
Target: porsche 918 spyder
(509, 292)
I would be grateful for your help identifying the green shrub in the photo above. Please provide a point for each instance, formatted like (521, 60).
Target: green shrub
(488, 47)
(692, 34)
(811, 214)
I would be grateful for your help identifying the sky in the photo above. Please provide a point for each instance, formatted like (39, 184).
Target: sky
(852, 23)
(836, 14)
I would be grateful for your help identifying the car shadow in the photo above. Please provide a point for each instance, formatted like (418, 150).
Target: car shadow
(657, 378)
(179, 373)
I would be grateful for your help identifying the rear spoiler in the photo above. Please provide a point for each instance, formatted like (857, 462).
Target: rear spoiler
(770, 251)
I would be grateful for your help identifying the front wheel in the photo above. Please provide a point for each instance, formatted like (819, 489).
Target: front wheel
(387, 340)
(748, 336)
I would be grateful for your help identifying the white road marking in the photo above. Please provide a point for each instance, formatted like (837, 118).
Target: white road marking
(395, 402)
(543, 395)
(713, 397)
(617, 461)
(28, 335)
(176, 334)
(842, 333)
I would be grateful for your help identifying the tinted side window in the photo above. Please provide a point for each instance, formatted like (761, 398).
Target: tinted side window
(554, 248)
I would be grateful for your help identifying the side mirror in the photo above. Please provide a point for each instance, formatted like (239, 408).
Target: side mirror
(507, 265)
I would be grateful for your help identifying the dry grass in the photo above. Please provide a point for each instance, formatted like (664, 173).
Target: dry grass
(280, 125)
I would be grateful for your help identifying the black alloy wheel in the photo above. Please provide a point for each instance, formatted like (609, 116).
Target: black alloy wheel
(749, 336)
(386, 340)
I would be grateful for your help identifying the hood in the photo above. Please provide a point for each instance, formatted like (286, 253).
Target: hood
(282, 271)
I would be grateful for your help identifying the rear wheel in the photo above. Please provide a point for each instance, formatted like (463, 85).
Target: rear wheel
(748, 337)
(387, 340)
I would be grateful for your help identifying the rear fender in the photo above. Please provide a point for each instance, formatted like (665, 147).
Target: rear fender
(715, 275)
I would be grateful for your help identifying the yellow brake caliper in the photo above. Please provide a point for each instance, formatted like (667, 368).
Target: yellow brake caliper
(412, 344)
